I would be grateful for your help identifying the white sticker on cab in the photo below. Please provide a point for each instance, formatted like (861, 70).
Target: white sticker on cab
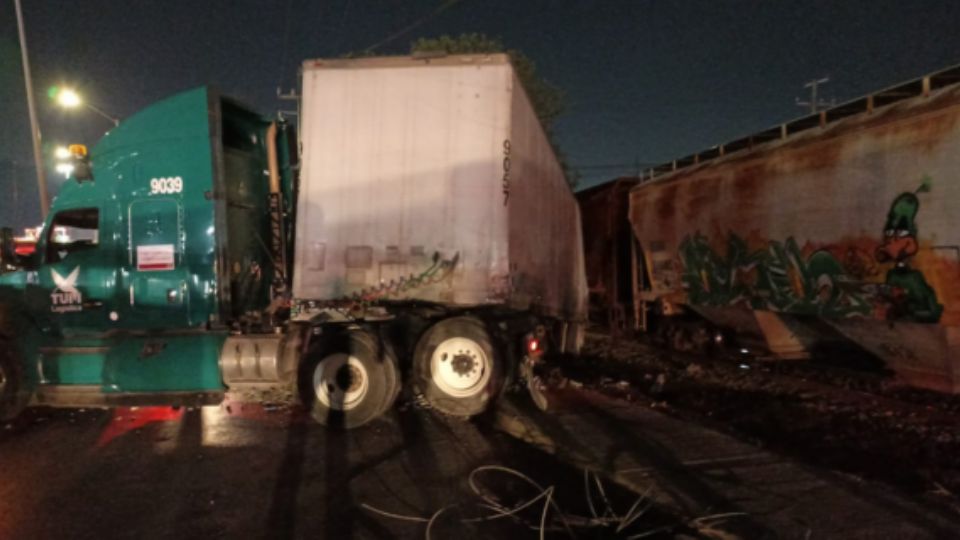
(153, 258)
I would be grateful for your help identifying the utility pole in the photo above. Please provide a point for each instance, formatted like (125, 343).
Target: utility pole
(815, 104)
(34, 127)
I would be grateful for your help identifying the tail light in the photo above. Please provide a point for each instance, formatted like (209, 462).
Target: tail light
(533, 346)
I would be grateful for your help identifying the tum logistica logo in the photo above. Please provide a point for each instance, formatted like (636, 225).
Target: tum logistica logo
(65, 296)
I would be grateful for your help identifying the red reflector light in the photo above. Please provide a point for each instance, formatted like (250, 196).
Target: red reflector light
(533, 346)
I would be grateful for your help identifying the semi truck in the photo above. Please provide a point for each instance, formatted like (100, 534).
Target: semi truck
(415, 230)
(835, 231)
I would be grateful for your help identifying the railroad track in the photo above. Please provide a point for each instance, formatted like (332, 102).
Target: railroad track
(831, 416)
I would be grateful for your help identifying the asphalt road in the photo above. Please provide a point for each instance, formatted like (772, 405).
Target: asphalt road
(242, 471)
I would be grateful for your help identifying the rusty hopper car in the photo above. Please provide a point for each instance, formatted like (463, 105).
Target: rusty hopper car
(607, 247)
(844, 224)
(431, 182)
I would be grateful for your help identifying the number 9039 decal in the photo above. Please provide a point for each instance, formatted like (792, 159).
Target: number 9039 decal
(173, 184)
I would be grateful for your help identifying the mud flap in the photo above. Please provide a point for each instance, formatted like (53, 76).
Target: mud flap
(535, 385)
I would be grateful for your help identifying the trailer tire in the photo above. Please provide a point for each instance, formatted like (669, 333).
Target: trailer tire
(394, 382)
(11, 403)
(346, 383)
(456, 368)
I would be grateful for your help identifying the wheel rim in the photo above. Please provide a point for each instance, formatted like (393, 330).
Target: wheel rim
(460, 367)
(341, 382)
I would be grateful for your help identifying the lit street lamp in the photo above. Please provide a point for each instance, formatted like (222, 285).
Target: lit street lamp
(61, 152)
(70, 99)
(66, 169)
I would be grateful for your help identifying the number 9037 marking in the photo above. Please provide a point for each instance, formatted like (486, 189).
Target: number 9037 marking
(173, 184)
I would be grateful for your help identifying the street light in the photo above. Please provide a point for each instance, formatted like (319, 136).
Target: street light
(66, 169)
(63, 165)
(70, 99)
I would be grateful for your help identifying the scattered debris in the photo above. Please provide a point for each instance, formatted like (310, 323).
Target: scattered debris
(659, 384)
(694, 370)
(542, 511)
(827, 413)
(940, 490)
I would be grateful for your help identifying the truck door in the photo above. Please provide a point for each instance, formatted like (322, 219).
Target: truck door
(78, 271)
(156, 266)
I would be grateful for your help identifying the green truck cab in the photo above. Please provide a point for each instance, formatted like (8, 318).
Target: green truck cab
(151, 255)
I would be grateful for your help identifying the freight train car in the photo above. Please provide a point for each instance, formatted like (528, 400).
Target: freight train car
(843, 226)
(608, 251)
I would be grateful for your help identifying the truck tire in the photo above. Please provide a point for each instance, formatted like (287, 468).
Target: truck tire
(456, 367)
(394, 382)
(11, 403)
(348, 383)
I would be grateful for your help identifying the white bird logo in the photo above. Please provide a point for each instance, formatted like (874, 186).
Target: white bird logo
(66, 284)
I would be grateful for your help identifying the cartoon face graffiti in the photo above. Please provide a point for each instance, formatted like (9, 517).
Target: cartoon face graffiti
(900, 231)
(908, 296)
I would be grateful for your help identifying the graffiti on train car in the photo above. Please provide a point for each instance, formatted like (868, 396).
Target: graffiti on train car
(776, 277)
(842, 280)
(911, 296)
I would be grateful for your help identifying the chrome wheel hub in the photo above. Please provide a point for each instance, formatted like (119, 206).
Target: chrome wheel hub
(341, 382)
(460, 367)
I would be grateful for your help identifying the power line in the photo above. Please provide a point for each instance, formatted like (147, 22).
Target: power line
(426, 18)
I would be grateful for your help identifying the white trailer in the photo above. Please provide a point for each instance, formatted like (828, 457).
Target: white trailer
(429, 194)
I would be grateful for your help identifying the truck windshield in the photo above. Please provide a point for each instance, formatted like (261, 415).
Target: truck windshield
(71, 231)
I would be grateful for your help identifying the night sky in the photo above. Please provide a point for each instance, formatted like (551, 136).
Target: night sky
(647, 80)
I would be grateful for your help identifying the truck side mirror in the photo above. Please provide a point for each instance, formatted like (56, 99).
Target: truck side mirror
(76, 162)
(82, 169)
